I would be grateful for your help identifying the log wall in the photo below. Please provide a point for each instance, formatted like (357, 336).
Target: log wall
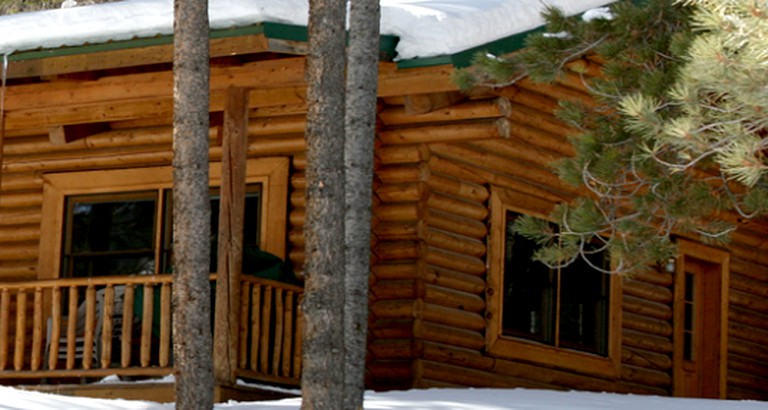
(441, 188)
(435, 171)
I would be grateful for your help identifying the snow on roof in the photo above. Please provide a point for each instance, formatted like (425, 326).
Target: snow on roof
(426, 28)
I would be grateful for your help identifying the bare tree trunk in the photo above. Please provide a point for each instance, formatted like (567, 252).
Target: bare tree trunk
(360, 124)
(323, 346)
(191, 208)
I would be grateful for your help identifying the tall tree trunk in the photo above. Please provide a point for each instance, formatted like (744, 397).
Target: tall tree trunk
(191, 208)
(323, 346)
(360, 124)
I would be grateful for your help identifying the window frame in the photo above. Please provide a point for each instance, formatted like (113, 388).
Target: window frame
(271, 173)
(506, 346)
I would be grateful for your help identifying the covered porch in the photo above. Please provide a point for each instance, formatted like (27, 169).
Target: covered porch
(74, 330)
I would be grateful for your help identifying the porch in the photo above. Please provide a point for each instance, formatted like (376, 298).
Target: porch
(83, 329)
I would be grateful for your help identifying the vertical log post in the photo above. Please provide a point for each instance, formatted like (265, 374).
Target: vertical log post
(230, 239)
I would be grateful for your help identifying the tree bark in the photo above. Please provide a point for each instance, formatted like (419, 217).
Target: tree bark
(191, 208)
(360, 132)
(323, 345)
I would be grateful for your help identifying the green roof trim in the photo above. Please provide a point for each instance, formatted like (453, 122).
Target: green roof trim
(270, 30)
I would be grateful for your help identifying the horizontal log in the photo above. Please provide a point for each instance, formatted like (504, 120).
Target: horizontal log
(532, 174)
(471, 210)
(391, 289)
(22, 182)
(405, 192)
(749, 285)
(451, 242)
(391, 370)
(298, 181)
(747, 317)
(456, 356)
(736, 393)
(458, 188)
(633, 388)
(646, 324)
(20, 216)
(399, 174)
(519, 150)
(643, 341)
(456, 224)
(654, 277)
(410, 211)
(399, 250)
(451, 279)
(298, 199)
(398, 270)
(393, 309)
(749, 269)
(747, 301)
(287, 124)
(18, 251)
(444, 315)
(461, 375)
(747, 381)
(454, 299)
(299, 162)
(461, 131)
(541, 120)
(454, 261)
(296, 237)
(20, 233)
(396, 231)
(454, 169)
(468, 171)
(554, 378)
(402, 154)
(392, 349)
(428, 102)
(449, 335)
(297, 217)
(21, 200)
(537, 101)
(557, 91)
(746, 349)
(647, 291)
(647, 377)
(646, 307)
(646, 359)
(468, 110)
(386, 328)
(747, 365)
(748, 333)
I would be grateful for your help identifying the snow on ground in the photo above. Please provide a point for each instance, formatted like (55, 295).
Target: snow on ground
(432, 399)
(426, 28)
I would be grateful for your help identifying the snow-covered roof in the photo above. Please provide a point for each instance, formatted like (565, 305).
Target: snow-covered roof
(426, 28)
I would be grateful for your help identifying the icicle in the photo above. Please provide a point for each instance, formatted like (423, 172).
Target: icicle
(3, 79)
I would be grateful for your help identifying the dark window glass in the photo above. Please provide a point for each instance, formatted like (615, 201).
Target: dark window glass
(565, 307)
(109, 234)
(250, 229)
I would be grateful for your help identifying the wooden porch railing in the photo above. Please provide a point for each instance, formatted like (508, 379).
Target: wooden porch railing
(94, 327)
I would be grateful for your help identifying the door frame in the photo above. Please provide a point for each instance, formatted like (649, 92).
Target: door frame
(688, 250)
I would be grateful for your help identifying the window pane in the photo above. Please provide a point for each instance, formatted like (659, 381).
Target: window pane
(250, 229)
(529, 290)
(584, 306)
(109, 234)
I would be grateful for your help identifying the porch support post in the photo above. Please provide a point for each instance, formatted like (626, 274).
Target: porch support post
(230, 238)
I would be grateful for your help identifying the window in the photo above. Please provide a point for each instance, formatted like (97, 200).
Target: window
(565, 307)
(565, 317)
(115, 234)
(113, 222)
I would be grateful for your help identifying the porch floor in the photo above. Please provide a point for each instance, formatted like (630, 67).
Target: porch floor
(162, 392)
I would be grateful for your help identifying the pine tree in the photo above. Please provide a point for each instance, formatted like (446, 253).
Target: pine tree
(660, 148)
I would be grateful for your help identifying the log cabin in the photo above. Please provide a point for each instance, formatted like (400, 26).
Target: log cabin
(85, 235)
